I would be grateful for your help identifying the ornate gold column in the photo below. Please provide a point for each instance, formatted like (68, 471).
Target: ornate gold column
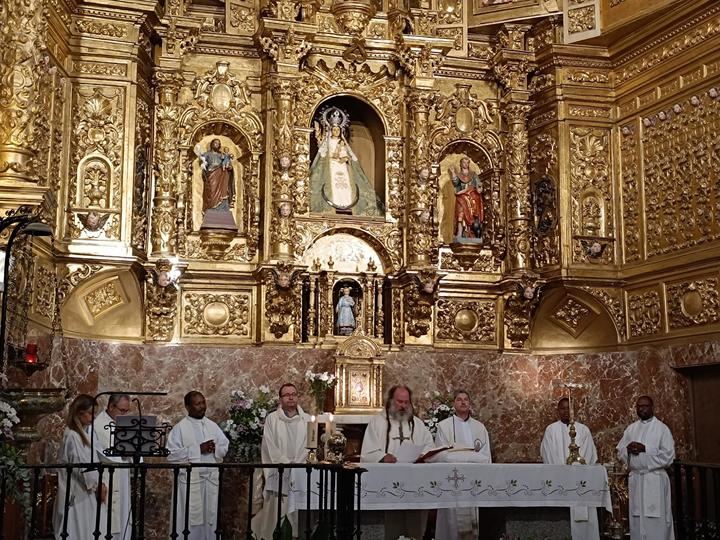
(423, 184)
(167, 160)
(282, 222)
(23, 63)
(511, 65)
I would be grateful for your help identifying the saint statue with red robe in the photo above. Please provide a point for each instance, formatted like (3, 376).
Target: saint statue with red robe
(468, 203)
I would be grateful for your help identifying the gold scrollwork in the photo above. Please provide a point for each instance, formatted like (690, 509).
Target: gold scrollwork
(693, 303)
(209, 314)
(420, 297)
(282, 289)
(467, 321)
(581, 19)
(644, 313)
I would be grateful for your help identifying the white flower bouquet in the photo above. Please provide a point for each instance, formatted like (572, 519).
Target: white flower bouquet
(441, 407)
(8, 419)
(245, 426)
(320, 383)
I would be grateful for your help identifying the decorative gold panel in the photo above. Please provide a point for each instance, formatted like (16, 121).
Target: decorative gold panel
(103, 298)
(573, 315)
(359, 369)
(682, 174)
(644, 313)
(210, 314)
(693, 303)
(631, 202)
(466, 321)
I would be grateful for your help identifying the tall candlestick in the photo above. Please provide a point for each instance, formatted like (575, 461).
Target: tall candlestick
(312, 433)
(330, 425)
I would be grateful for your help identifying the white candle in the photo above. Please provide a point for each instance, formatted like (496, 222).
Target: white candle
(312, 433)
(329, 425)
(571, 408)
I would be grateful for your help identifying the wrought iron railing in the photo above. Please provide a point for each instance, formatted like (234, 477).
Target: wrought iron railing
(335, 504)
(696, 500)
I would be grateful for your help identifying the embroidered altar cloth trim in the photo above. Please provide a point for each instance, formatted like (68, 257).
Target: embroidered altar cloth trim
(401, 486)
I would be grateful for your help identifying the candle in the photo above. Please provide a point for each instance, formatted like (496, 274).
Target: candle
(31, 353)
(571, 408)
(312, 433)
(329, 425)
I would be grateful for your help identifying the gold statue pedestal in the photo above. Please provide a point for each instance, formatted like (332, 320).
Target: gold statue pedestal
(216, 241)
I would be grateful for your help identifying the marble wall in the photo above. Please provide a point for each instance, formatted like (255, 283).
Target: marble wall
(515, 394)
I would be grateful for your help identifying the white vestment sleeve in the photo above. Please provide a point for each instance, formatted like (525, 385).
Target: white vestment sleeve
(271, 452)
(658, 458)
(441, 438)
(485, 451)
(222, 444)
(621, 447)
(178, 452)
(373, 445)
(422, 436)
(587, 448)
(77, 452)
(546, 446)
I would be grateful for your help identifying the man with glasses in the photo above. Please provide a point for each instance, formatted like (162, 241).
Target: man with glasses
(283, 441)
(118, 405)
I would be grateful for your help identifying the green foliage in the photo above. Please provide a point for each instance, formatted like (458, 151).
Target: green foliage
(17, 478)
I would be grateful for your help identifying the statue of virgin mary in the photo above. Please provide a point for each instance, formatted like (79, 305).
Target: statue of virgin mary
(337, 181)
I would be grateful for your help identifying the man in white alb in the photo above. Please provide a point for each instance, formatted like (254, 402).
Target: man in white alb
(554, 451)
(196, 439)
(121, 527)
(647, 447)
(471, 444)
(283, 441)
(383, 437)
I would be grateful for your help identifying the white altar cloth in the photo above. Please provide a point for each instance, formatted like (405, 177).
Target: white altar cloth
(407, 486)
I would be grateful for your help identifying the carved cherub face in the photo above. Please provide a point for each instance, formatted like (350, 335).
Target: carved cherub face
(285, 209)
(424, 174)
(92, 221)
(529, 292)
(284, 162)
(428, 286)
(283, 280)
(164, 279)
(424, 217)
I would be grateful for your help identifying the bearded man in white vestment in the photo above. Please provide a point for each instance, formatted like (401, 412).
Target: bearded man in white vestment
(121, 527)
(283, 441)
(461, 431)
(647, 447)
(196, 439)
(383, 436)
(554, 451)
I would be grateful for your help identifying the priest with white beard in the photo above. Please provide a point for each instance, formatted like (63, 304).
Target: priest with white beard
(554, 451)
(283, 441)
(383, 436)
(461, 431)
(647, 447)
(197, 439)
(120, 526)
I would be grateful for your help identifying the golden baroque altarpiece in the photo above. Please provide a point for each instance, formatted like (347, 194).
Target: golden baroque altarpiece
(556, 168)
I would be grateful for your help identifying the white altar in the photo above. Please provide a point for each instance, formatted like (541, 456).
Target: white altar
(401, 486)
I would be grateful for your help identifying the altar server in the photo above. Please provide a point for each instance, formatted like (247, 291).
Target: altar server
(197, 439)
(121, 526)
(284, 436)
(461, 431)
(86, 490)
(647, 447)
(554, 450)
(383, 437)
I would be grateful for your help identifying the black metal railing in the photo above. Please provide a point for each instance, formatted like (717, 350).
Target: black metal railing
(696, 500)
(331, 491)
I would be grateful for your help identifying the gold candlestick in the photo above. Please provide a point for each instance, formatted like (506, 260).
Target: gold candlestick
(574, 455)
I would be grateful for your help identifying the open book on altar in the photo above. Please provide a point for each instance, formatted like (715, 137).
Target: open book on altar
(413, 453)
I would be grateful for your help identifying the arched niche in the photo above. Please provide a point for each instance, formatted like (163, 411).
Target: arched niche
(107, 306)
(233, 141)
(367, 137)
(571, 319)
(349, 254)
(487, 172)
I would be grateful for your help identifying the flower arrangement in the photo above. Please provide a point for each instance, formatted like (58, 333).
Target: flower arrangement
(17, 478)
(441, 407)
(244, 427)
(320, 383)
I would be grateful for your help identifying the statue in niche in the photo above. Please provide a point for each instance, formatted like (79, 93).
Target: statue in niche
(345, 313)
(337, 181)
(218, 186)
(468, 203)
